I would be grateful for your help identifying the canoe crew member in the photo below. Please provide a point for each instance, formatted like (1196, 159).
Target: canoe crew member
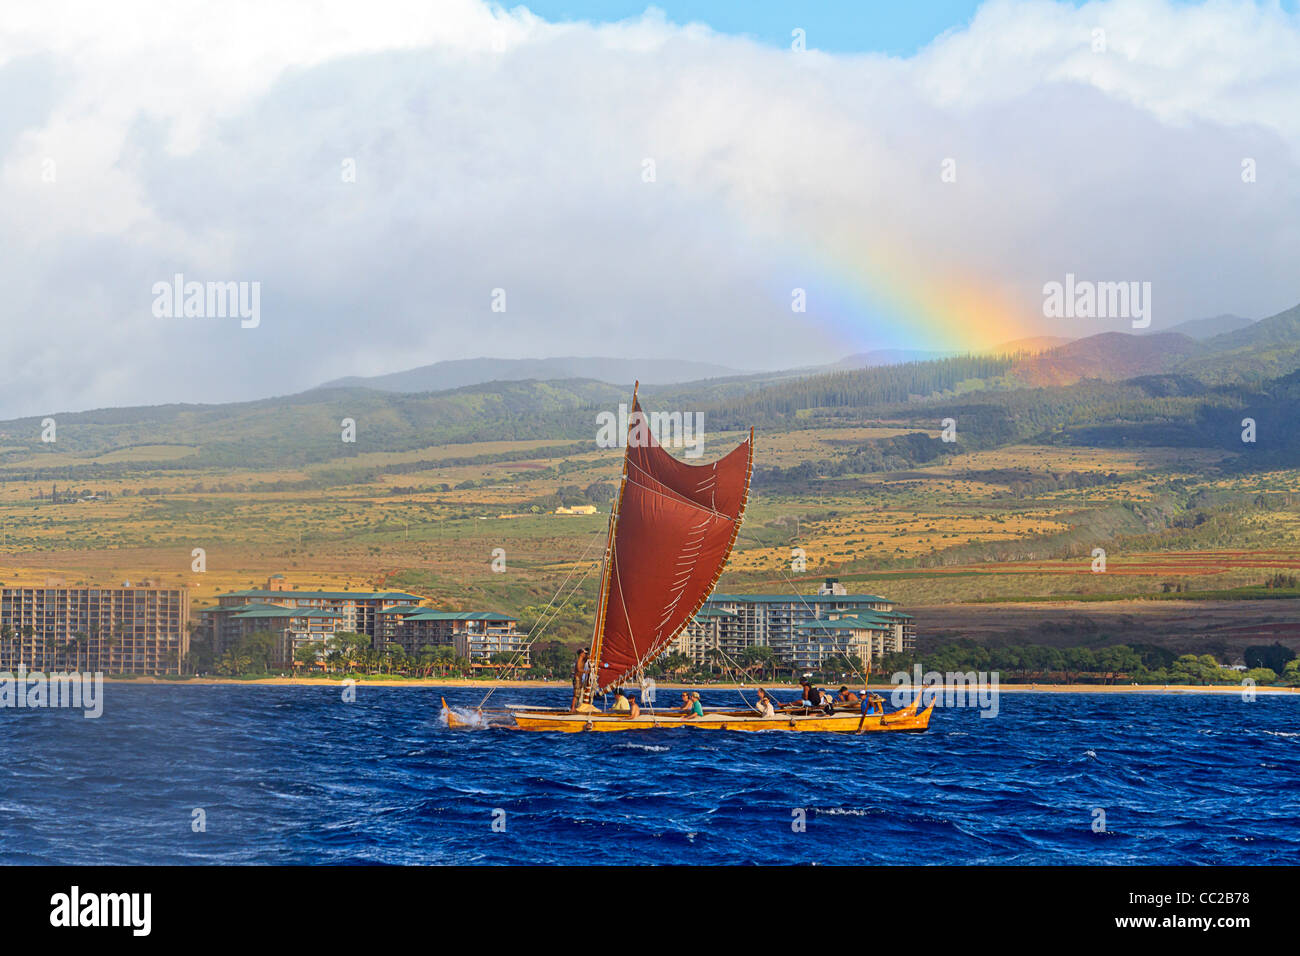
(696, 708)
(871, 704)
(621, 704)
(633, 708)
(764, 705)
(579, 674)
(686, 703)
(812, 697)
(847, 696)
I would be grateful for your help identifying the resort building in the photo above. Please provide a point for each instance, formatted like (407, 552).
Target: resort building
(359, 609)
(733, 622)
(292, 627)
(297, 618)
(473, 635)
(127, 630)
(388, 618)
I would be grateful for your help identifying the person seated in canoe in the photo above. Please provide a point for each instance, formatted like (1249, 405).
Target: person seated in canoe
(633, 708)
(621, 704)
(686, 703)
(764, 705)
(696, 708)
(812, 697)
(846, 696)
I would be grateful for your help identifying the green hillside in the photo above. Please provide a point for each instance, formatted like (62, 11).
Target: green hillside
(1201, 402)
(1269, 348)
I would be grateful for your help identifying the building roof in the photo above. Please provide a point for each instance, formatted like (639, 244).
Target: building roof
(801, 598)
(428, 615)
(714, 612)
(275, 610)
(855, 623)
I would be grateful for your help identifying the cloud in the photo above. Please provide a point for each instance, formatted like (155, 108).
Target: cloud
(495, 150)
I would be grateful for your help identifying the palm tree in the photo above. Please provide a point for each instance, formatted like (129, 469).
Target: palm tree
(714, 658)
(111, 641)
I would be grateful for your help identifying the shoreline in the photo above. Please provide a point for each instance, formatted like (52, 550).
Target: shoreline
(460, 682)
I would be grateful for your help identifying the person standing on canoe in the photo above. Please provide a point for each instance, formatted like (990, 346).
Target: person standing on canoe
(579, 675)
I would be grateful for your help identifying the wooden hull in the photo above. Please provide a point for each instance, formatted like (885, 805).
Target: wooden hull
(905, 720)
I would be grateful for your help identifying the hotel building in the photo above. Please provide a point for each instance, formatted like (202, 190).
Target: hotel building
(299, 618)
(473, 635)
(798, 627)
(123, 630)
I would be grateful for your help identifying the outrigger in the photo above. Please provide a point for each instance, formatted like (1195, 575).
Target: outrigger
(671, 531)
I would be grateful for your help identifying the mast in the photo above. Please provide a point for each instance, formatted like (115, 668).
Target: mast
(598, 634)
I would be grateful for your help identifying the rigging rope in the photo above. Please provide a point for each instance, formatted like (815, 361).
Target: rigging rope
(542, 624)
(808, 608)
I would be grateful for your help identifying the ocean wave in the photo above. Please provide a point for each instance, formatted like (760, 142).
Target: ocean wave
(289, 775)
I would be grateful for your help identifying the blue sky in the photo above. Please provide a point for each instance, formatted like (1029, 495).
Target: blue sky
(895, 27)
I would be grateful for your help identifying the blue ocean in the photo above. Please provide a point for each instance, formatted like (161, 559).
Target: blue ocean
(259, 774)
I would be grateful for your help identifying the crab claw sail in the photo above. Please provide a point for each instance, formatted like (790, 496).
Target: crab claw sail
(671, 533)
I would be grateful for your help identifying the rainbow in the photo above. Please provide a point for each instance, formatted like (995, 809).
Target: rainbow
(879, 298)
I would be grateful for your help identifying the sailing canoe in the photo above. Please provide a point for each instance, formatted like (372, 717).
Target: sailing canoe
(671, 532)
(563, 722)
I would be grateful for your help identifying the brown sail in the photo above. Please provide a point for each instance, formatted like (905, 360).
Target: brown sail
(672, 531)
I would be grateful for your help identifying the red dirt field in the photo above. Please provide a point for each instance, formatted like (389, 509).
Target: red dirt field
(1186, 626)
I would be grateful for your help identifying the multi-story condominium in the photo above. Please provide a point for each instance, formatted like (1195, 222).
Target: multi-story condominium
(292, 627)
(711, 629)
(733, 622)
(128, 630)
(473, 635)
(359, 609)
(299, 618)
(865, 637)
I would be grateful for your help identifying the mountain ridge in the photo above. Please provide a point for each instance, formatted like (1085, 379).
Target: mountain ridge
(459, 373)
